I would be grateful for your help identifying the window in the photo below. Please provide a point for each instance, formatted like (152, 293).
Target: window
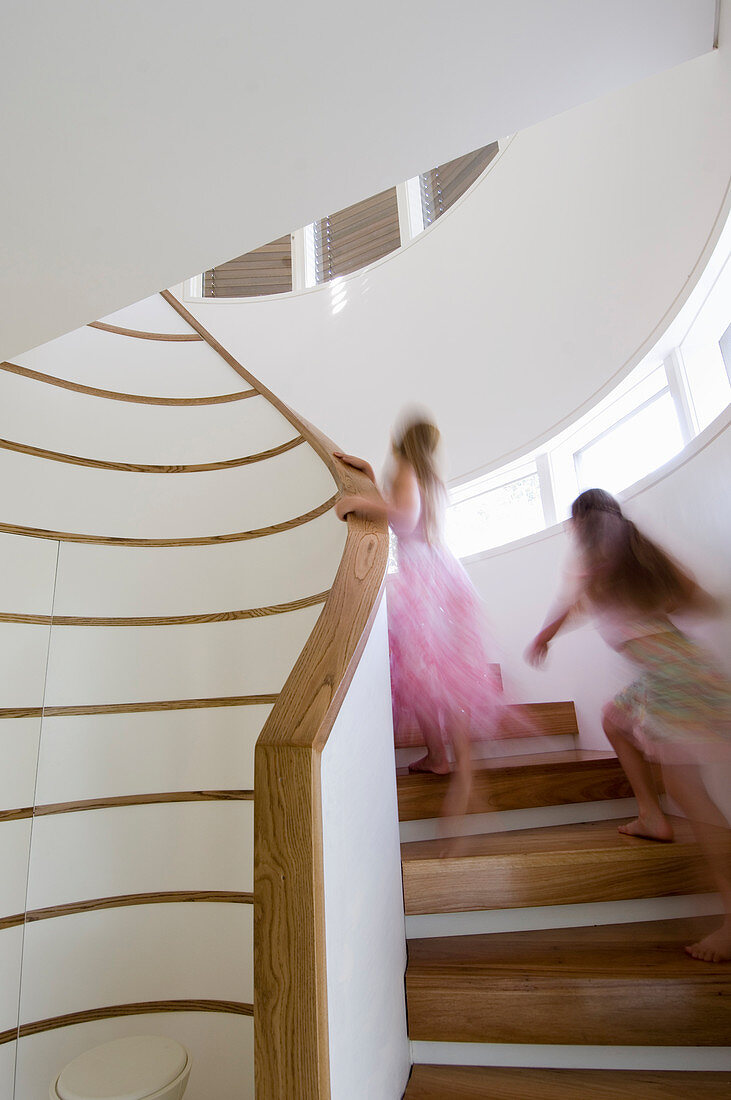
(725, 347)
(443, 185)
(357, 236)
(347, 240)
(633, 448)
(266, 270)
(503, 512)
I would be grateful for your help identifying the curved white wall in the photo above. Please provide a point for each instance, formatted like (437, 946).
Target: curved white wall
(126, 799)
(528, 299)
(146, 142)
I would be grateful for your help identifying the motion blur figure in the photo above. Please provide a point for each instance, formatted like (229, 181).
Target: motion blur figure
(678, 711)
(442, 682)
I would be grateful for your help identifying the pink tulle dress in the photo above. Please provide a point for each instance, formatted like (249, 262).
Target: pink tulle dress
(440, 664)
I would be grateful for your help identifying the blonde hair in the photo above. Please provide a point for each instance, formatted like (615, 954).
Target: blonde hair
(418, 442)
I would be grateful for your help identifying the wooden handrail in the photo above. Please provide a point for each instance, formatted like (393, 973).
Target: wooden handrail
(290, 977)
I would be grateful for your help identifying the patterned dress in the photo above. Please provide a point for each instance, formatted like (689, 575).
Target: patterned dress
(679, 707)
(440, 665)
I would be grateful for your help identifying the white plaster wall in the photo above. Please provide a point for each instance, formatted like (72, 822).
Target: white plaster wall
(364, 915)
(524, 303)
(145, 142)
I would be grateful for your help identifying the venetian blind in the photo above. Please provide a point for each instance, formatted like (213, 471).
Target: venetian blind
(356, 236)
(266, 270)
(443, 185)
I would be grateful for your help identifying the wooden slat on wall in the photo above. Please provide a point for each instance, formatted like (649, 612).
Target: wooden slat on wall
(266, 270)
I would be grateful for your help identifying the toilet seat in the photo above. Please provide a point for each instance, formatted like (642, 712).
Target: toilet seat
(140, 1067)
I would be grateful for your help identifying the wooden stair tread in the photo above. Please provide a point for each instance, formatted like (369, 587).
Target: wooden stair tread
(626, 984)
(638, 949)
(585, 836)
(502, 1083)
(556, 865)
(519, 782)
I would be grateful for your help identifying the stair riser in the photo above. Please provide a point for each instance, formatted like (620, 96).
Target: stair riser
(487, 750)
(586, 1056)
(646, 1012)
(494, 921)
(504, 821)
(567, 878)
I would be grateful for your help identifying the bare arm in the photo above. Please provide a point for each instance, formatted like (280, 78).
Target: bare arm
(401, 508)
(537, 651)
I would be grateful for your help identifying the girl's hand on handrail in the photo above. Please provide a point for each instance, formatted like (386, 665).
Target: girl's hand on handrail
(357, 464)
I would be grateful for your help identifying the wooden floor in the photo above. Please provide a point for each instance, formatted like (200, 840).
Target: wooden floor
(497, 1083)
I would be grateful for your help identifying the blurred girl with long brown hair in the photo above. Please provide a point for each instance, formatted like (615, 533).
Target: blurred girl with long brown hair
(677, 713)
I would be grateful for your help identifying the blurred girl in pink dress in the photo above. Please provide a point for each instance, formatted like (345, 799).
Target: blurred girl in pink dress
(444, 688)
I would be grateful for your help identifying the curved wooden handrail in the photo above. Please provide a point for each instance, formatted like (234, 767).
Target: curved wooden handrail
(290, 979)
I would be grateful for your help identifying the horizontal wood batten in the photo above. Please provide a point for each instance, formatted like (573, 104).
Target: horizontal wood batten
(109, 1012)
(119, 331)
(162, 798)
(119, 901)
(150, 468)
(113, 395)
(139, 708)
(163, 620)
(198, 540)
(17, 814)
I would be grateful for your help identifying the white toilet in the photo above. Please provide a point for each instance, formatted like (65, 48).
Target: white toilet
(142, 1067)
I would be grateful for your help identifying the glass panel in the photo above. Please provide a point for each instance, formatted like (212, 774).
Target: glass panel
(632, 449)
(708, 380)
(500, 515)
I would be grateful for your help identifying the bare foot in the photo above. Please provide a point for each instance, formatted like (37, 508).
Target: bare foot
(714, 948)
(427, 764)
(650, 827)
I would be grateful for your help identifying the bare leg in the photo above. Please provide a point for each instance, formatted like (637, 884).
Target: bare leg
(651, 823)
(457, 801)
(436, 759)
(685, 785)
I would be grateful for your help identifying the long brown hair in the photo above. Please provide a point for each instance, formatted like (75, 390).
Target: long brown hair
(624, 565)
(418, 442)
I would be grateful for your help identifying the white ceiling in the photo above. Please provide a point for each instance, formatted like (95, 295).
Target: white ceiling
(144, 141)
